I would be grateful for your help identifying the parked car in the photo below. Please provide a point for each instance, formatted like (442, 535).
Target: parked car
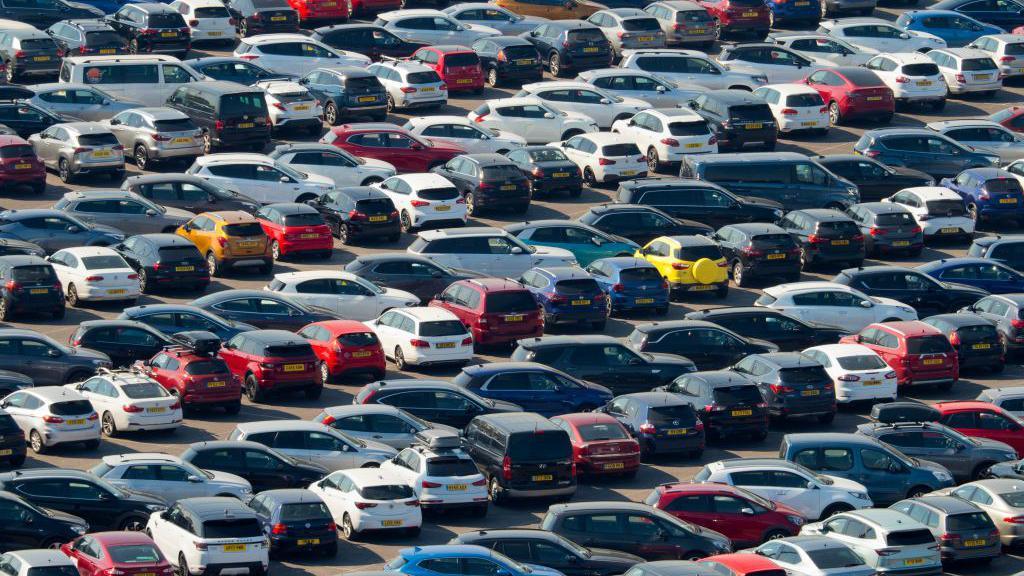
(632, 284)
(535, 387)
(601, 445)
(380, 422)
(567, 295)
(434, 401)
(346, 348)
(342, 293)
(758, 250)
(229, 239)
(487, 182)
(32, 286)
(272, 361)
(566, 45)
(152, 28)
(368, 39)
(982, 273)
(198, 378)
(812, 556)
(558, 552)
(164, 261)
(188, 192)
(58, 149)
(864, 531)
(295, 229)
(710, 346)
(121, 209)
(313, 443)
(507, 59)
(298, 521)
(857, 372)
(922, 149)
(990, 194)
(688, 264)
(912, 287)
(497, 311)
(919, 353)
(792, 385)
(874, 180)
(263, 16)
(825, 236)
(702, 201)
(414, 273)
(157, 135)
(264, 468)
(887, 228)
(176, 318)
(408, 153)
(729, 403)
(423, 336)
(548, 170)
(661, 422)
(968, 70)
(982, 420)
(783, 329)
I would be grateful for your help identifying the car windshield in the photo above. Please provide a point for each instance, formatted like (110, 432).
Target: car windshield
(922, 69)
(211, 12)
(641, 25)
(247, 104)
(601, 431)
(304, 511)
(461, 59)
(834, 557)
(232, 528)
(103, 262)
(548, 155)
(1003, 186)
(387, 492)
(438, 193)
(442, 328)
(144, 390)
(134, 554)
(861, 362)
(586, 35)
(694, 253)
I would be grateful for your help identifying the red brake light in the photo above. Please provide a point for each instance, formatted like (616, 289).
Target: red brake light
(415, 343)
(480, 118)
(279, 529)
(365, 505)
(1007, 59)
(670, 142)
(407, 89)
(647, 428)
(1016, 322)
(419, 203)
(506, 468)
(356, 215)
(789, 112)
(467, 341)
(426, 484)
(878, 232)
(815, 239)
(132, 408)
(480, 482)
(781, 388)
(680, 266)
(618, 288)
(605, 161)
(53, 419)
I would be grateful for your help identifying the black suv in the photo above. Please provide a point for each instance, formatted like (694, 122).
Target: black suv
(29, 285)
(914, 288)
(1006, 249)
(86, 37)
(165, 261)
(124, 341)
(737, 118)
(603, 360)
(549, 170)
(792, 385)
(873, 179)
(509, 59)
(699, 200)
(825, 236)
(534, 546)
(27, 526)
(357, 212)
(152, 28)
(229, 114)
(347, 92)
(758, 250)
(264, 468)
(24, 118)
(263, 16)
(641, 224)
(787, 332)
(708, 345)
(102, 505)
(409, 272)
(487, 182)
(521, 455)
(188, 192)
(571, 45)
(366, 39)
(975, 338)
(12, 439)
(29, 52)
(432, 400)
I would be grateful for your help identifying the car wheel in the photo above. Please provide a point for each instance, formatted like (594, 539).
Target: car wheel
(589, 177)
(343, 233)
(10, 73)
(834, 509)
(406, 222)
(399, 358)
(470, 205)
(737, 274)
(133, 46)
(212, 265)
(972, 211)
(653, 163)
(694, 556)
(824, 9)
(346, 528)
(918, 491)
(834, 115)
(141, 157)
(492, 77)
(325, 373)
(806, 261)
(35, 442)
(143, 281)
(495, 492)
(207, 142)
(182, 566)
(775, 535)
(108, 425)
(133, 524)
(252, 390)
(391, 104)
(72, 295)
(243, 28)
(64, 171)
(4, 310)
(331, 114)
(275, 250)
(555, 64)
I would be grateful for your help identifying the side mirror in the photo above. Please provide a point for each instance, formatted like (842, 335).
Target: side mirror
(74, 229)
(747, 511)
(960, 447)
(284, 179)
(811, 485)
(439, 297)
(661, 89)
(187, 227)
(150, 212)
(866, 304)
(114, 121)
(635, 362)
(164, 515)
(105, 102)
(195, 479)
(460, 28)
(416, 146)
(517, 250)
(572, 559)
(80, 386)
(52, 353)
(312, 203)
(895, 468)
(605, 101)
(904, 36)
(692, 104)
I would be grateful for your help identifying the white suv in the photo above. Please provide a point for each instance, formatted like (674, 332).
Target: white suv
(294, 54)
(532, 119)
(837, 304)
(367, 499)
(688, 67)
(291, 105)
(887, 540)
(441, 473)
(260, 176)
(667, 136)
(1006, 49)
(463, 132)
(169, 476)
(425, 198)
(410, 84)
(968, 70)
(939, 211)
(206, 535)
(874, 36)
(912, 77)
(488, 251)
(422, 336)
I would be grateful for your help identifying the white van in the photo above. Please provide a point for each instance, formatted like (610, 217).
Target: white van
(148, 79)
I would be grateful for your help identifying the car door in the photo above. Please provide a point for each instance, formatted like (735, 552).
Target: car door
(883, 476)
(454, 409)
(265, 471)
(45, 363)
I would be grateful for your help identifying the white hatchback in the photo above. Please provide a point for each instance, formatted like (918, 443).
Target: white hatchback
(346, 294)
(334, 163)
(858, 372)
(290, 104)
(796, 107)
(889, 541)
(573, 96)
(536, 121)
(369, 499)
(260, 177)
(52, 415)
(129, 401)
(912, 77)
(95, 273)
(441, 478)
(603, 157)
(939, 211)
(423, 335)
(425, 198)
(410, 84)
(667, 136)
(208, 20)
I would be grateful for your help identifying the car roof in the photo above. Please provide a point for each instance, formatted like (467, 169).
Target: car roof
(290, 495)
(23, 260)
(820, 438)
(948, 504)
(427, 313)
(261, 39)
(216, 506)
(42, 557)
(290, 208)
(625, 262)
(559, 340)
(887, 518)
(755, 228)
(787, 359)
(275, 337)
(344, 410)
(793, 287)
(882, 207)
(844, 350)
(969, 405)
(656, 399)
(254, 427)
(909, 328)
(55, 393)
(494, 284)
(825, 214)
(425, 179)
(466, 231)
(136, 457)
(487, 158)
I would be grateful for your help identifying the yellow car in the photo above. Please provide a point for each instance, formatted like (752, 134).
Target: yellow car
(688, 263)
(231, 238)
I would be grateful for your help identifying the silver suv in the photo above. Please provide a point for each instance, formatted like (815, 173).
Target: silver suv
(76, 148)
(169, 476)
(157, 135)
(124, 210)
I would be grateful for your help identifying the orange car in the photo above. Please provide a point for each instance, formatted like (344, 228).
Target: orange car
(228, 239)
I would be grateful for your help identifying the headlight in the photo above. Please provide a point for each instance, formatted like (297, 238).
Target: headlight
(942, 476)
(155, 507)
(720, 545)
(79, 529)
(859, 495)
(796, 520)
(245, 490)
(762, 79)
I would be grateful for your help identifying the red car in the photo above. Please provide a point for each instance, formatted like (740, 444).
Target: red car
(984, 420)
(295, 229)
(740, 16)
(375, 6)
(345, 348)
(273, 361)
(1011, 118)
(320, 10)
(747, 564)
(393, 144)
(123, 553)
(746, 518)
(496, 310)
(19, 165)
(919, 353)
(198, 380)
(458, 66)
(853, 92)
(600, 444)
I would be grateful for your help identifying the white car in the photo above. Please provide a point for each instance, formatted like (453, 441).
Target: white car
(331, 162)
(315, 443)
(493, 16)
(52, 415)
(197, 536)
(497, 252)
(423, 335)
(985, 134)
(1006, 49)
(857, 372)
(778, 63)
(442, 477)
(874, 36)
(425, 198)
(641, 85)
(939, 211)
(666, 136)
(260, 177)
(912, 77)
(346, 294)
(796, 107)
(572, 96)
(604, 157)
(208, 20)
(410, 84)
(36, 561)
(94, 273)
(463, 132)
(169, 476)
(813, 495)
(968, 70)
(813, 556)
(129, 401)
(294, 54)
(821, 48)
(369, 499)
(532, 119)
(432, 27)
(887, 540)
(688, 67)
(832, 303)
(291, 105)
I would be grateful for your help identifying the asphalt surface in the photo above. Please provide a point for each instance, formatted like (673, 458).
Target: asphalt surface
(376, 550)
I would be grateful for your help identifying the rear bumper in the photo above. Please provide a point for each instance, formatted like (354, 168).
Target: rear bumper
(485, 337)
(314, 245)
(231, 397)
(609, 465)
(575, 317)
(289, 544)
(542, 492)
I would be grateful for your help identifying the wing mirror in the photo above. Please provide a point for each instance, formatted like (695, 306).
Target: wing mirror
(661, 89)
(150, 212)
(904, 36)
(74, 229)
(866, 304)
(747, 511)
(195, 479)
(516, 250)
(549, 115)
(605, 101)
(114, 121)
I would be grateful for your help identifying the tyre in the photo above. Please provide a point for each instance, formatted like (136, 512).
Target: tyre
(5, 311)
(496, 493)
(399, 358)
(11, 73)
(141, 157)
(253, 391)
(108, 426)
(980, 471)
(775, 535)
(64, 171)
(470, 205)
(722, 291)
(347, 530)
(653, 162)
(694, 556)
(72, 295)
(275, 250)
(492, 77)
(143, 281)
(835, 117)
(51, 544)
(918, 491)
(35, 442)
(555, 65)
(589, 177)
(331, 114)
(133, 46)
(737, 274)
(325, 373)
(133, 524)
(391, 104)
(182, 566)
(406, 222)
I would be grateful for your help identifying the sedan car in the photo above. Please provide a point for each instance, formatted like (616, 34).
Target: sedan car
(413, 273)
(463, 132)
(335, 163)
(95, 273)
(830, 302)
(169, 476)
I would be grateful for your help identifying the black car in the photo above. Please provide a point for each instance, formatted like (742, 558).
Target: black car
(231, 69)
(488, 182)
(366, 39)
(12, 438)
(27, 526)
(533, 546)
(44, 14)
(124, 341)
(737, 118)
(347, 92)
(12, 247)
(359, 212)
(261, 309)
(229, 114)
(297, 521)
(549, 170)
(911, 287)
(792, 385)
(758, 250)
(29, 52)
(574, 45)
(432, 400)
(509, 59)
(264, 468)
(102, 505)
(165, 262)
(12, 382)
(698, 200)
(29, 285)
(86, 37)
(709, 346)
(409, 272)
(728, 403)
(263, 16)
(874, 180)
(24, 118)
(603, 360)
(174, 318)
(787, 332)
(976, 340)
(641, 224)
(152, 28)
(887, 228)
(189, 192)
(825, 236)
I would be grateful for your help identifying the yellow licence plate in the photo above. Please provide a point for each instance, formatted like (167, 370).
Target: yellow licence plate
(310, 236)
(116, 291)
(754, 126)
(107, 50)
(810, 392)
(6, 452)
(614, 466)
(628, 172)
(445, 345)
(776, 256)
(278, 18)
(101, 154)
(645, 39)
(308, 542)
(840, 242)
(525, 61)
(390, 523)
(913, 561)
(645, 300)
(901, 243)
(456, 487)
(742, 412)
(182, 140)
(514, 318)
(872, 382)
(509, 187)
(698, 31)
(694, 145)
(874, 98)
(1007, 200)
(750, 14)
(184, 268)
(39, 291)
(427, 89)
(811, 123)
(560, 175)
(981, 346)
(378, 218)
(246, 124)
(41, 58)
(168, 34)
(973, 543)
(584, 302)
(464, 81)
(442, 208)
(77, 422)
(951, 230)
(216, 384)
(981, 76)
(924, 82)
(22, 166)
(248, 244)
(294, 367)
(702, 287)
(367, 98)
(543, 478)
(932, 361)
(302, 107)
(213, 34)
(362, 354)
(590, 49)
(677, 432)
(156, 410)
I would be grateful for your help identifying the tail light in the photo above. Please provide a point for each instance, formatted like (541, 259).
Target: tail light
(1014, 520)
(419, 203)
(925, 217)
(117, 147)
(902, 79)
(328, 420)
(332, 527)
(887, 551)
(1007, 59)
(677, 26)
(193, 23)
(647, 428)
(605, 161)
(877, 232)
(618, 288)
(815, 239)
(789, 112)
(699, 427)
(600, 297)
(427, 484)
(83, 50)
(279, 529)
(713, 408)
(356, 215)
(537, 173)
(280, 106)
(751, 251)
(218, 125)
(82, 149)
(365, 505)
(132, 408)
(680, 266)
(412, 503)
(442, 87)
(621, 35)
(823, 109)
(147, 32)
(641, 158)
(858, 238)
(200, 545)
(873, 153)
(20, 54)
(480, 482)
(93, 416)
(670, 142)
(849, 378)
(506, 468)
(467, 341)
(953, 539)
(367, 398)
(960, 78)
(407, 89)
(222, 241)
(176, 405)
(781, 388)
(954, 339)
(53, 419)
(256, 17)
(232, 21)
(159, 137)
(93, 278)
(416, 343)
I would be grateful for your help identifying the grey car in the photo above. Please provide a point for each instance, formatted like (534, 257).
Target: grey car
(967, 458)
(1010, 399)
(78, 101)
(887, 228)
(792, 384)
(629, 29)
(646, 86)
(963, 531)
(501, 19)
(46, 361)
(76, 148)
(157, 135)
(189, 192)
(378, 422)
(984, 134)
(1005, 310)
(54, 230)
(126, 211)
(685, 22)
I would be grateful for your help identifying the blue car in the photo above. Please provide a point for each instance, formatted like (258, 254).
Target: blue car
(795, 11)
(956, 29)
(631, 283)
(984, 273)
(419, 560)
(173, 318)
(536, 387)
(1007, 14)
(107, 6)
(568, 295)
(989, 193)
(585, 242)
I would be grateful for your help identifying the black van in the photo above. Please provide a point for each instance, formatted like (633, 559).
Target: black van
(792, 179)
(230, 115)
(522, 454)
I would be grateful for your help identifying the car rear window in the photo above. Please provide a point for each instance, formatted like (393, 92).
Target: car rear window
(207, 367)
(804, 375)
(639, 274)
(502, 173)
(33, 274)
(922, 69)
(539, 446)
(52, 571)
(577, 286)
(511, 301)
(928, 345)
(746, 3)
(423, 77)
(104, 139)
(211, 12)
(104, 37)
(1014, 49)
(305, 511)
(451, 467)
(461, 59)
(842, 227)
(804, 100)
(698, 128)
(134, 554)
(292, 97)
(176, 253)
(144, 390)
(166, 21)
(980, 332)
(375, 206)
(358, 339)
(175, 125)
(586, 35)
(442, 328)
(247, 104)
(693, 16)
(751, 112)
(945, 207)
(898, 219)
(968, 522)
(601, 431)
(362, 84)
(261, 4)
(1014, 499)
(626, 149)
(288, 350)
(71, 408)
(548, 155)
(837, 557)
(641, 24)
(974, 64)
(387, 492)
(101, 262)
(743, 394)
(438, 194)
(862, 77)
(1003, 186)
(909, 538)
(517, 52)
(38, 44)
(308, 219)
(694, 253)
(861, 362)
(246, 229)
(17, 151)
(774, 239)
(234, 528)
(683, 413)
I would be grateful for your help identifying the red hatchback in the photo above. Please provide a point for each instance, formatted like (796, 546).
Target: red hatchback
(747, 564)
(983, 420)
(295, 229)
(19, 165)
(311, 11)
(391, 143)
(273, 361)
(117, 553)
(496, 310)
(600, 444)
(198, 380)
(740, 16)
(458, 66)
(919, 353)
(746, 518)
(345, 348)
(852, 92)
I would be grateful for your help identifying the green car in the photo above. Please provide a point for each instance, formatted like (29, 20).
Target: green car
(585, 242)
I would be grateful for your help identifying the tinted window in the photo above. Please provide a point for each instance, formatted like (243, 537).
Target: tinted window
(16, 151)
(237, 528)
(462, 59)
(305, 511)
(313, 219)
(928, 345)
(289, 351)
(694, 253)
(967, 522)
(33, 274)
(828, 558)
(546, 446)
(909, 538)
(865, 362)
(737, 395)
(251, 104)
(205, 367)
(71, 408)
(504, 302)
(247, 229)
(387, 492)
(683, 413)
(923, 69)
(804, 375)
(972, 64)
(591, 432)
(586, 35)
(166, 21)
(451, 467)
(442, 328)
(136, 554)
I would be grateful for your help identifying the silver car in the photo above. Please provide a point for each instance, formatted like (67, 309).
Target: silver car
(648, 87)
(157, 135)
(79, 101)
(629, 29)
(813, 556)
(126, 211)
(169, 476)
(377, 422)
(983, 134)
(315, 443)
(501, 19)
(77, 148)
(684, 22)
